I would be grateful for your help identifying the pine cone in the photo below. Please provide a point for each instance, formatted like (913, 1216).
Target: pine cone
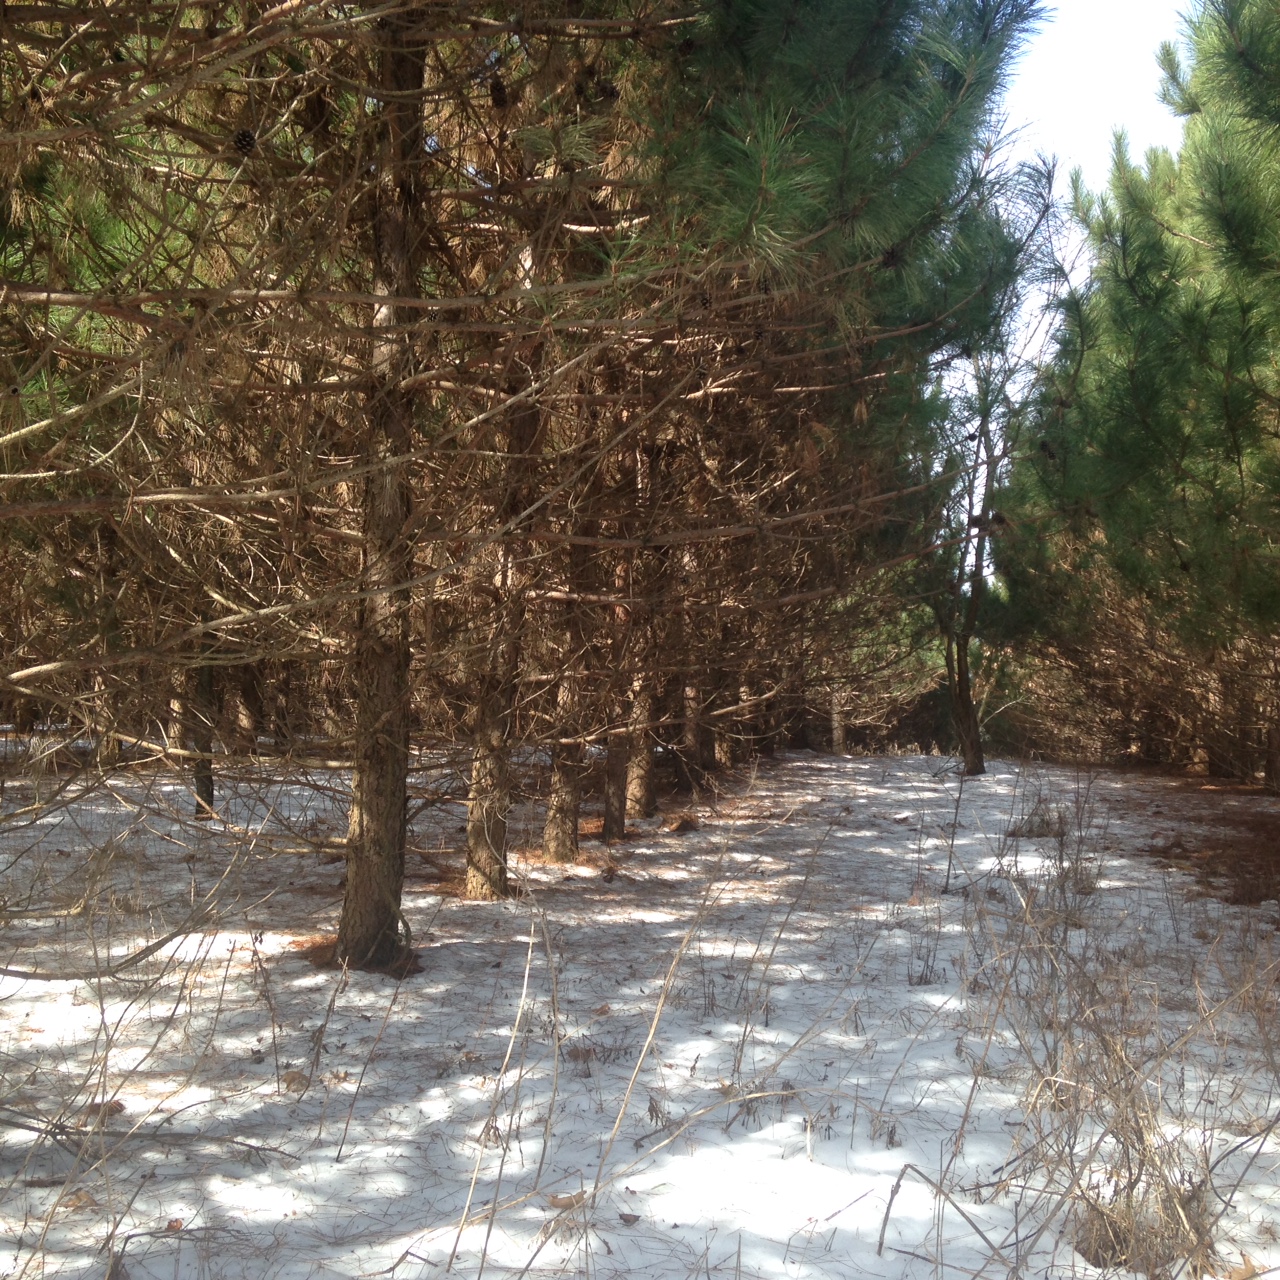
(245, 141)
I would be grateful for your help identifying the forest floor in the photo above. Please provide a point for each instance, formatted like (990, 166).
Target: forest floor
(864, 1019)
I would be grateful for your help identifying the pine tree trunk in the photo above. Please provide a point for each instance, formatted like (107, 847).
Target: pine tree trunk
(839, 730)
(689, 768)
(26, 716)
(173, 724)
(764, 739)
(640, 780)
(724, 747)
(370, 928)
(795, 723)
(108, 725)
(202, 713)
(369, 931)
(959, 623)
(249, 704)
(968, 729)
(560, 832)
(488, 805)
(628, 628)
(708, 758)
(283, 730)
(1272, 769)
(489, 800)
(564, 798)
(615, 785)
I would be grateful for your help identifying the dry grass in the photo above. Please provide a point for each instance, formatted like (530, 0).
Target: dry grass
(1116, 1147)
(1127, 1048)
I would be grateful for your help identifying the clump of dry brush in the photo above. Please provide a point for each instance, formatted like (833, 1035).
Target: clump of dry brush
(1128, 1041)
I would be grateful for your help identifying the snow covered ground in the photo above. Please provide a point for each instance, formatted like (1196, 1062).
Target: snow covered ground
(866, 1020)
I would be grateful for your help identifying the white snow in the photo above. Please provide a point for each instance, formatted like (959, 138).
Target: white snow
(712, 1053)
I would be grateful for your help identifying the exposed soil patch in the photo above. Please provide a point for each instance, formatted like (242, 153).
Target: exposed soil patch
(322, 951)
(1236, 859)
(593, 829)
(442, 871)
(1225, 835)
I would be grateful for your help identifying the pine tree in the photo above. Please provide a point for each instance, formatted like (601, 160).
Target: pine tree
(1159, 464)
(557, 384)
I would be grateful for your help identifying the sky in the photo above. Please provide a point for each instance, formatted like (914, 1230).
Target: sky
(1090, 69)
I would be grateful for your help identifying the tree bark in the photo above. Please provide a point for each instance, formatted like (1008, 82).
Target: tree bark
(615, 785)
(958, 616)
(1272, 770)
(839, 729)
(488, 805)
(283, 728)
(108, 726)
(202, 714)
(690, 772)
(640, 781)
(794, 727)
(370, 931)
(764, 726)
(618, 739)
(968, 728)
(250, 704)
(726, 743)
(564, 798)
(560, 832)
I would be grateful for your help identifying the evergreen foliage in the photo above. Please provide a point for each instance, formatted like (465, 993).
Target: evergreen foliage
(1159, 476)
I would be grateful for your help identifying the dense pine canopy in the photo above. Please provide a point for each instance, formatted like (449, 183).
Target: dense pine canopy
(401, 382)
(1155, 486)
(401, 377)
